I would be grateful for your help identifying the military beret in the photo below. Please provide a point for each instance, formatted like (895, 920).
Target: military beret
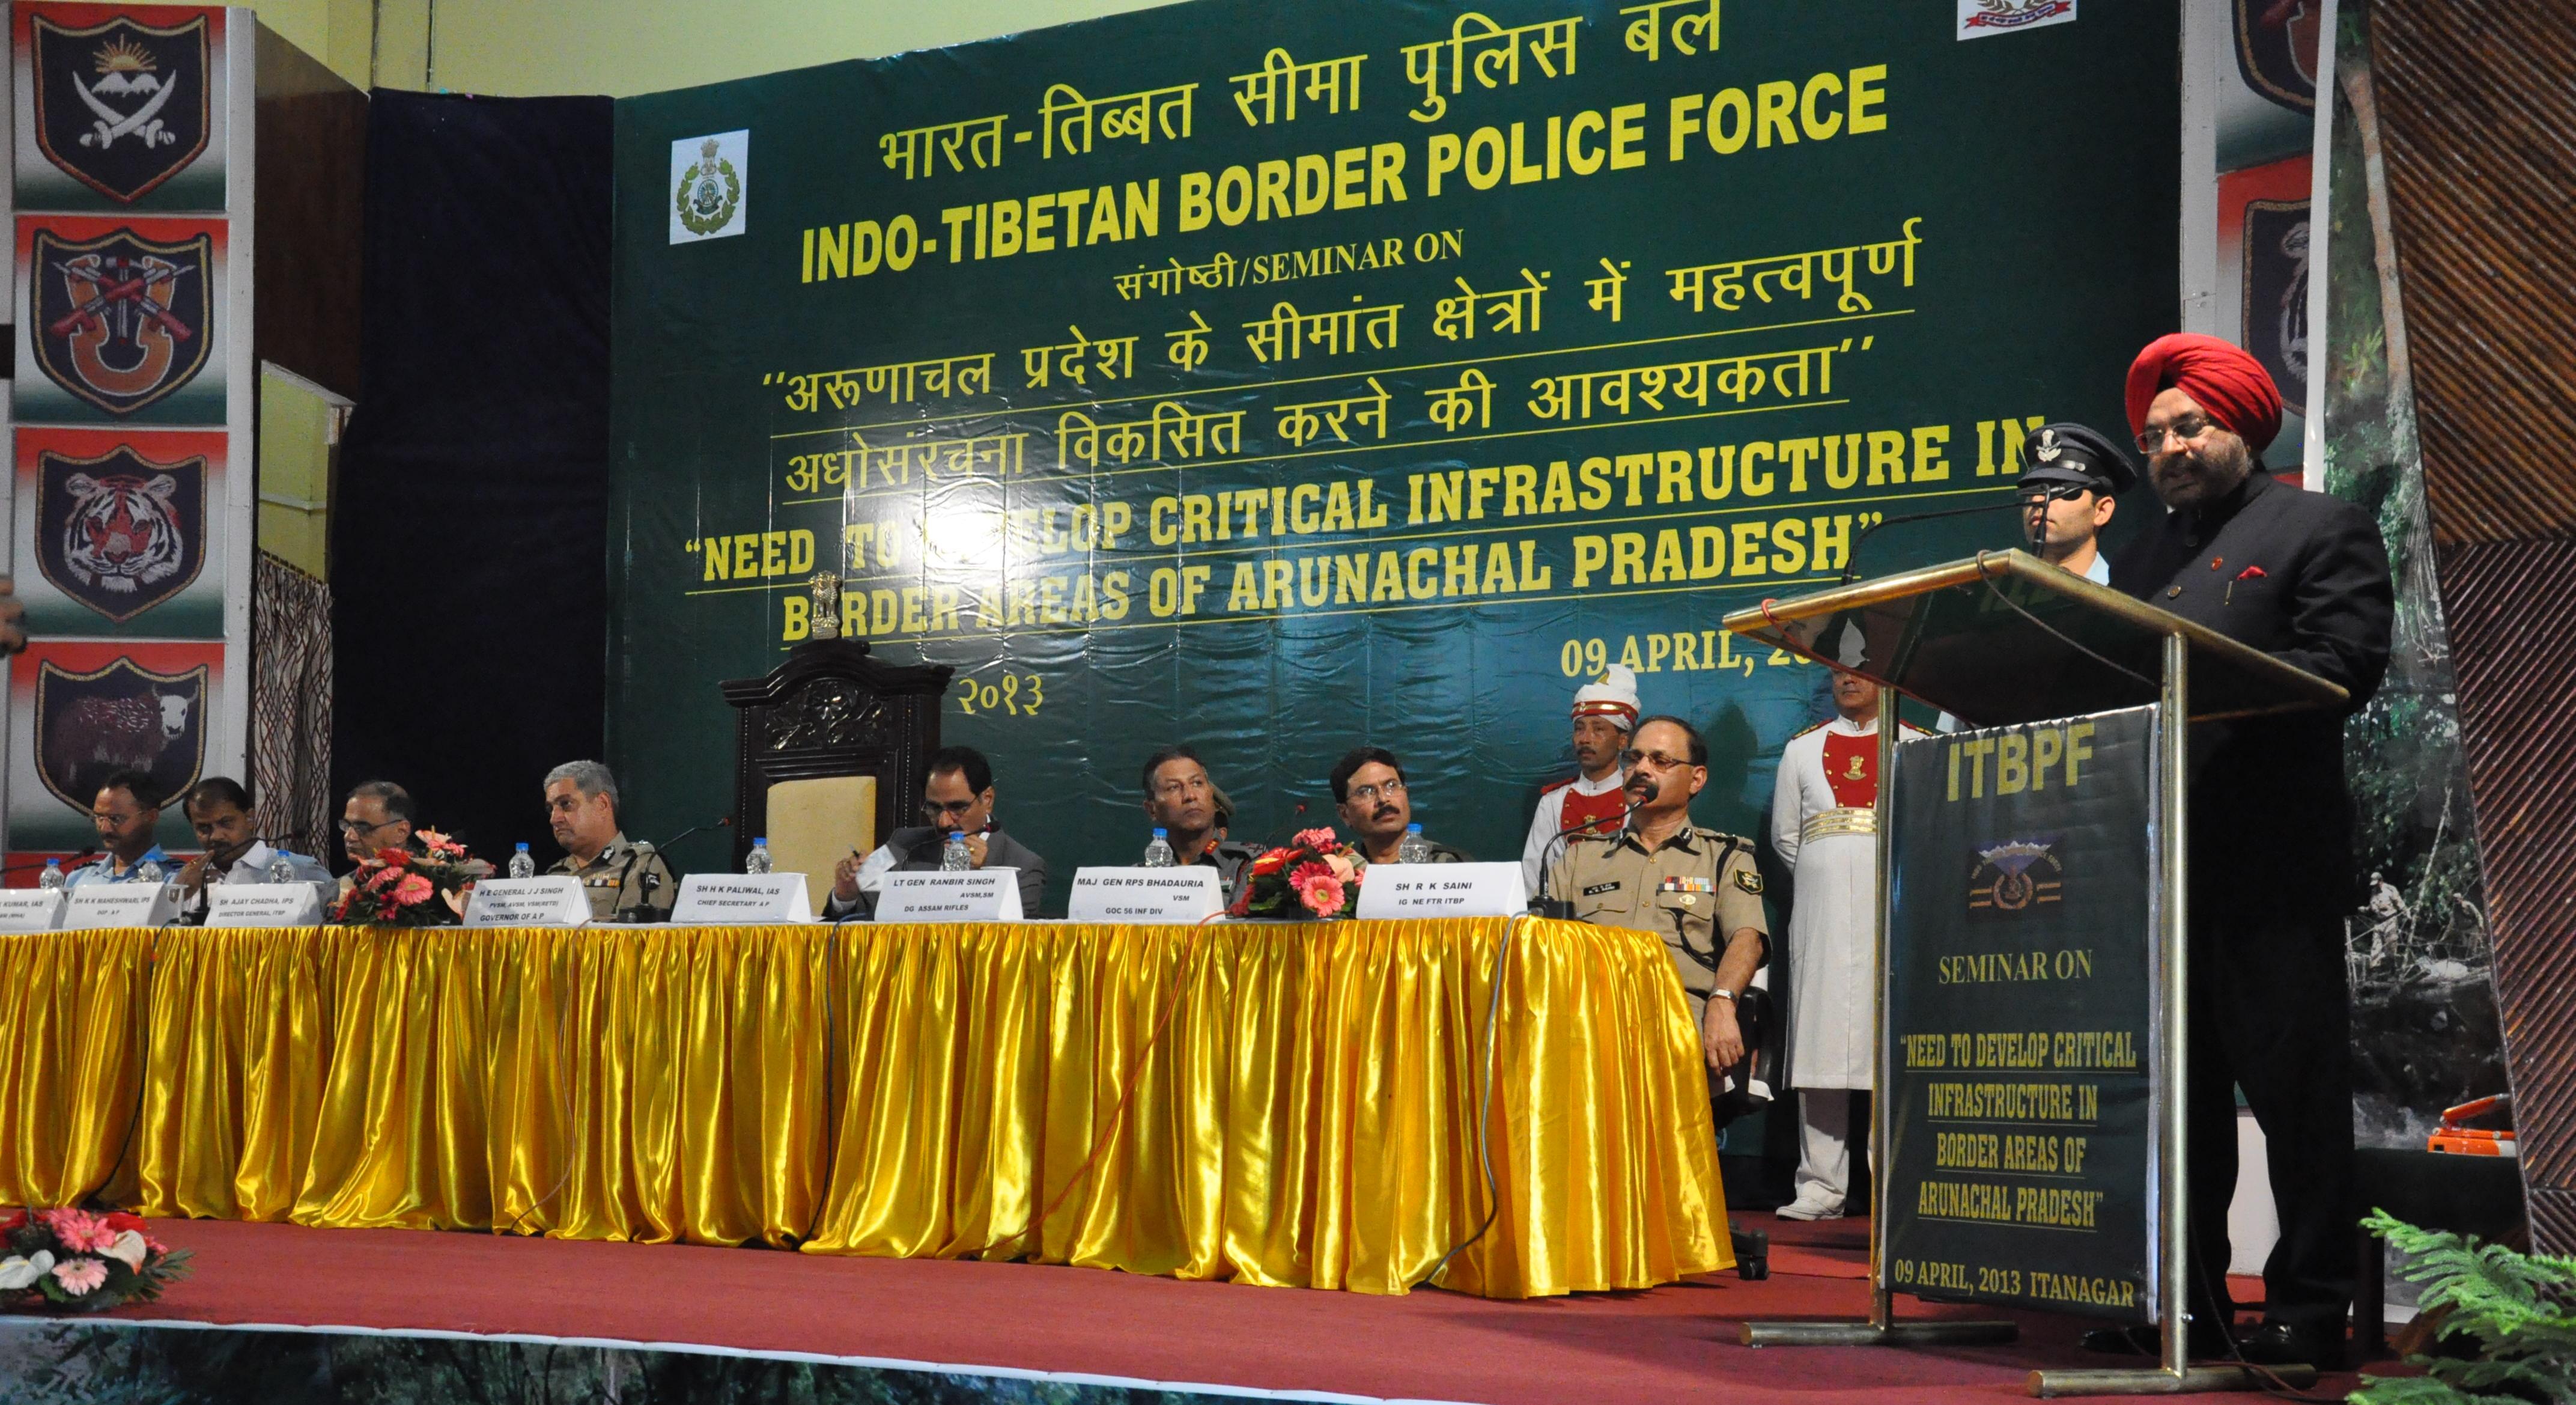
(2070, 453)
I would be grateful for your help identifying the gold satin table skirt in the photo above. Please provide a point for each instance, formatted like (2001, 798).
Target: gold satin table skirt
(1307, 1116)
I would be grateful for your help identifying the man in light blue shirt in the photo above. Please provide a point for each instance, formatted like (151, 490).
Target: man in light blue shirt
(2069, 490)
(219, 809)
(124, 813)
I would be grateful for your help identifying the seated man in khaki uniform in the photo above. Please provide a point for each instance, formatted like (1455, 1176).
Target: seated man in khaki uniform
(1695, 888)
(624, 881)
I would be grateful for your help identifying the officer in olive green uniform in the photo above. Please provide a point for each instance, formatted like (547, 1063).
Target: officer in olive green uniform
(626, 877)
(1693, 887)
(624, 880)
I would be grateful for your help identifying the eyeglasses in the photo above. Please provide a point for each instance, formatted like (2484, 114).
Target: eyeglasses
(934, 809)
(1632, 758)
(2033, 494)
(1366, 794)
(111, 817)
(362, 827)
(2188, 429)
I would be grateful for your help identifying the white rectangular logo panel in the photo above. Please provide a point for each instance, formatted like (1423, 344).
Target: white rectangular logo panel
(978, 895)
(25, 910)
(1442, 890)
(710, 186)
(119, 905)
(1983, 19)
(555, 900)
(1165, 895)
(741, 900)
(263, 905)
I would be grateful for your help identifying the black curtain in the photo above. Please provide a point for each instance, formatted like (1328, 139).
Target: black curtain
(470, 524)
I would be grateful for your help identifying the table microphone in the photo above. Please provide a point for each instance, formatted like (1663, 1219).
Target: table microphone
(1562, 909)
(1851, 562)
(1291, 824)
(75, 861)
(644, 891)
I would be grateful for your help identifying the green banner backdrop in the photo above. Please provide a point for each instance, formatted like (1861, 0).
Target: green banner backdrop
(1281, 378)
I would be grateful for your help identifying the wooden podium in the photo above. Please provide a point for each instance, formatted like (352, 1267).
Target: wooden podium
(2004, 640)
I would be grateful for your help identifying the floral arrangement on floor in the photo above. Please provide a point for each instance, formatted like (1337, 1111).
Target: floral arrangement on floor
(1316, 875)
(424, 887)
(73, 1260)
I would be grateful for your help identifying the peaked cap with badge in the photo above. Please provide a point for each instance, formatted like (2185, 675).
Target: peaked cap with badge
(2070, 453)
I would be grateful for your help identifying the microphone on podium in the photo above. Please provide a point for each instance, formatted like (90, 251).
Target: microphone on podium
(1851, 562)
(1562, 909)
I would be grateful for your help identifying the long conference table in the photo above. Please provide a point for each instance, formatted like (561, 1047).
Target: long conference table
(1307, 1117)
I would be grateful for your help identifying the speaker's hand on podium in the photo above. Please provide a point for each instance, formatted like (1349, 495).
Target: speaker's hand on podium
(1719, 1036)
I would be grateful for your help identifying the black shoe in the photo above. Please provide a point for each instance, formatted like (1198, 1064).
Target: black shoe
(2205, 1341)
(2288, 1344)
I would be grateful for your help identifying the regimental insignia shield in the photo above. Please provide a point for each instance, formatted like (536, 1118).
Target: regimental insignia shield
(120, 533)
(121, 320)
(2275, 294)
(2276, 49)
(122, 106)
(2013, 877)
(91, 725)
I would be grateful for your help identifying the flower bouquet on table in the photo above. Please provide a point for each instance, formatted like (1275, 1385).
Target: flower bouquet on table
(423, 887)
(74, 1261)
(1316, 875)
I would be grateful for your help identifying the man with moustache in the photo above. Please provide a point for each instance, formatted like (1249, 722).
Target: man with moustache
(1605, 712)
(1183, 803)
(1695, 888)
(219, 809)
(1375, 805)
(2302, 577)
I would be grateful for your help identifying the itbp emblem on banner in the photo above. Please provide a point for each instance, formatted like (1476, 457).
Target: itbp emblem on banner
(121, 105)
(120, 533)
(709, 179)
(120, 320)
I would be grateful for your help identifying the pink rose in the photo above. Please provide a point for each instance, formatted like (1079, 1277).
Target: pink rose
(413, 890)
(1317, 839)
(80, 1276)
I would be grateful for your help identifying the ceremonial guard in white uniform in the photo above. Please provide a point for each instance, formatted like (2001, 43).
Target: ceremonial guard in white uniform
(1605, 713)
(1825, 827)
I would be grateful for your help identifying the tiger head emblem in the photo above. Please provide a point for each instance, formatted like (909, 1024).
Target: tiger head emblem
(123, 531)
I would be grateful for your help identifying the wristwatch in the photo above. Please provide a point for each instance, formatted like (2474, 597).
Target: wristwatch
(1721, 993)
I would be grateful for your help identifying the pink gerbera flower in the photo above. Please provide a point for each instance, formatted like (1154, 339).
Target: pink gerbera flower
(1321, 894)
(80, 1276)
(413, 890)
(79, 1231)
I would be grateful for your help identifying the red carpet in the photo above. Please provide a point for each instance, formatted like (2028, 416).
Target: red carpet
(1673, 1344)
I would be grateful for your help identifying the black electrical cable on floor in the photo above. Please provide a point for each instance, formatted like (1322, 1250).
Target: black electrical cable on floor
(1484, 1106)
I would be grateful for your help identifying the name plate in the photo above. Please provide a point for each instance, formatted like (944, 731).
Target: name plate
(977, 895)
(263, 905)
(119, 905)
(555, 900)
(741, 900)
(30, 909)
(1153, 895)
(1442, 890)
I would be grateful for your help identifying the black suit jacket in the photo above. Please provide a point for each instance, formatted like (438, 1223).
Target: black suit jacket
(2303, 577)
(919, 848)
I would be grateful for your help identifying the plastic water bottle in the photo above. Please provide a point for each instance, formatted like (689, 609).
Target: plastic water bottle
(954, 858)
(281, 869)
(1158, 854)
(148, 872)
(1413, 848)
(757, 861)
(521, 866)
(53, 877)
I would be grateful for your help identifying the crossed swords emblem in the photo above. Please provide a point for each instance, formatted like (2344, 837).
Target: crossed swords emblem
(144, 122)
(138, 293)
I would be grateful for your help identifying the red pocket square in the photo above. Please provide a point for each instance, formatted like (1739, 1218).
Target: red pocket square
(2250, 573)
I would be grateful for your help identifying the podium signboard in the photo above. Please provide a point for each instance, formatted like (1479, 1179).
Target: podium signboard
(2021, 988)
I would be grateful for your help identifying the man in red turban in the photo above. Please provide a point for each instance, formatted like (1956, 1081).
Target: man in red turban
(2302, 577)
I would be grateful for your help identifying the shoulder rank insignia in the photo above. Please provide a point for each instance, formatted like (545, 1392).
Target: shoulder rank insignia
(1749, 881)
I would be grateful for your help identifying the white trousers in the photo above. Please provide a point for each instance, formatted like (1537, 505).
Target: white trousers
(1824, 1146)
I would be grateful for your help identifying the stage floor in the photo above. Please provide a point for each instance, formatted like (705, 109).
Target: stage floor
(1676, 1343)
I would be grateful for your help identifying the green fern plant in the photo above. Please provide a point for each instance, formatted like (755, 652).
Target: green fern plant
(2518, 1309)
